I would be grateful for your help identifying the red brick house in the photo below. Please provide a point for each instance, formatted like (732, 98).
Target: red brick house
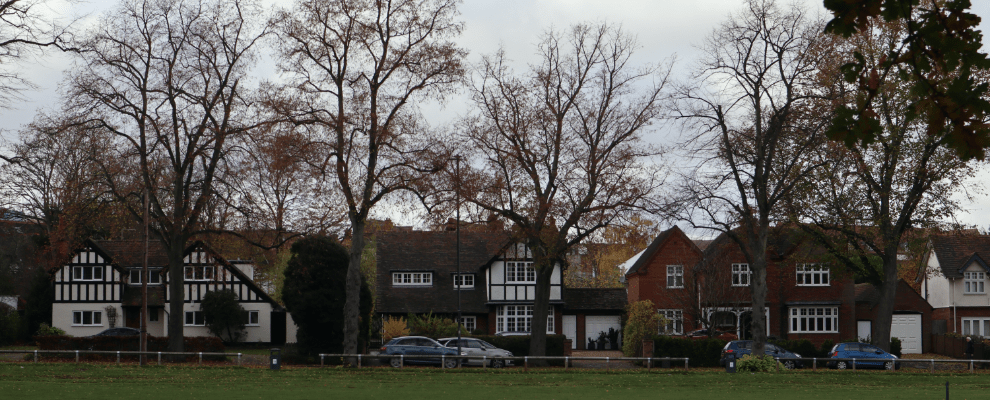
(806, 297)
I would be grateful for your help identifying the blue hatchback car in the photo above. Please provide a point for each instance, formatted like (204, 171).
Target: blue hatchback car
(866, 355)
(419, 345)
(739, 348)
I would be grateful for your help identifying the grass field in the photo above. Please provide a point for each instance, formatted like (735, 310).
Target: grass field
(108, 381)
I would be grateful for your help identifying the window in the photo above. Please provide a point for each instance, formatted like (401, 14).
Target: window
(412, 279)
(253, 318)
(155, 277)
(195, 318)
(87, 318)
(518, 319)
(87, 273)
(675, 322)
(199, 273)
(814, 319)
(812, 275)
(740, 274)
(974, 282)
(464, 281)
(470, 323)
(152, 315)
(975, 327)
(135, 277)
(520, 272)
(675, 276)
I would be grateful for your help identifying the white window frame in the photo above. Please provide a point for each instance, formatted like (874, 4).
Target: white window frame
(520, 272)
(412, 279)
(194, 315)
(198, 273)
(813, 275)
(152, 315)
(155, 277)
(974, 282)
(256, 318)
(519, 318)
(675, 277)
(79, 273)
(469, 322)
(813, 319)
(464, 281)
(675, 322)
(975, 327)
(79, 318)
(131, 275)
(741, 274)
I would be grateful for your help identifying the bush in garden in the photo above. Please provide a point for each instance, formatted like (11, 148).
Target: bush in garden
(895, 347)
(430, 325)
(394, 327)
(750, 363)
(641, 324)
(224, 315)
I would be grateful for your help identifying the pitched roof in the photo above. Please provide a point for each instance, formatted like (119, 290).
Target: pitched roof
(595, 299)
(435, 252)
(644, 258)
(955, 252)
(867, 293)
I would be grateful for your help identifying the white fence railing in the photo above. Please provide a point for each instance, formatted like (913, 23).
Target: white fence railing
(159, 354)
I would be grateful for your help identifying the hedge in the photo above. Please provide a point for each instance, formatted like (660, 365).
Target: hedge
(204, 344)
(519, 345)
(701, 352)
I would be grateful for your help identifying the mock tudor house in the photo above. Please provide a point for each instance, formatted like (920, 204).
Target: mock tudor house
(953, 276)
(100, 287)
(806, 297)
(417, 274)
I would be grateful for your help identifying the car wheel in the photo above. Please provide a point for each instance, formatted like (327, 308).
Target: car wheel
(395, 362)
(450, 363)
(841, 365)
(888, 365)
(789, 364)
(498, 363)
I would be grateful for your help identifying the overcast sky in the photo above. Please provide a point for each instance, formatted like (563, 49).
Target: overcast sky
(664, 28)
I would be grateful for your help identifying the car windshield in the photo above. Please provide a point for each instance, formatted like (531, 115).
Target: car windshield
(487, 345)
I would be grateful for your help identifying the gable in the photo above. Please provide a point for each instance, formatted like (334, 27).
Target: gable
(662, 242)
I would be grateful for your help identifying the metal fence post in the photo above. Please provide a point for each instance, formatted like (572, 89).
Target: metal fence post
(608, 364)
(567, 362)
(402, 360)
(854, 364)
(814, 364)
(686, 362)
(443, 361)
(649, 363)
(321, 360)
(77, 356)
(36, 356)
(932, 369)
(776, 363)
(971, 366)
(159, 358)
(118, 357)
(526, 363)
(201, 358)
(359, 361)
(238, 359)
(484, 362)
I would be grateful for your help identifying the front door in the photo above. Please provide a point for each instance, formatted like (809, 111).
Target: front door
(132, 317)
(570, 329)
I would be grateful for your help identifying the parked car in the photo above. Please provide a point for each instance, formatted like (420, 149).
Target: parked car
(419, 345)
(118, 332)
(739, 348)
(866, 355)
(703, 333)
(478, 347)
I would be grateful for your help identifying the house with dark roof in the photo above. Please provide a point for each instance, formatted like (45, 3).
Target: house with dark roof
(807, 298)
(100, 288)
(912, 320)
(495, 281)
(953, 277)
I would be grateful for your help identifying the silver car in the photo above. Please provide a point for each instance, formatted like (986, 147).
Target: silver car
(477, 347)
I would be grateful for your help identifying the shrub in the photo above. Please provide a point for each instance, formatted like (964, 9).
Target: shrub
(430, 325)
(750, 363)
(224, 315)
(641, 324)
(826, 349)
(46, 330)
(11, 325)
(895, 347)
(393, 327)
(519, 345)
(701, 352)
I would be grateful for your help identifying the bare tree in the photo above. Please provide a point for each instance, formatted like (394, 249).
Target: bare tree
(165, 78)
(356, 69)
(558, 150)
(755, 111)
(23, 30)
(869, 195)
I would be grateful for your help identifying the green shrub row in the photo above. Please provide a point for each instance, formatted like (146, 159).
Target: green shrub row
(701, 352)
(204, 344)
(805, 348)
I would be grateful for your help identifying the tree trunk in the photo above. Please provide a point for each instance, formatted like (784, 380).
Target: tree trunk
(758, 287)
(352, 301)
(888, 296)
(541, 306)
(177, 296)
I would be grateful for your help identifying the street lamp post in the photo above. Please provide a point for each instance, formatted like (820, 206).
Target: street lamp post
(457, 275)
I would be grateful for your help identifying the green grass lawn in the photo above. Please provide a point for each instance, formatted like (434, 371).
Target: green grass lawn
(106, 381)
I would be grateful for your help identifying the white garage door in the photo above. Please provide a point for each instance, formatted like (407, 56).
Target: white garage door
(907, 327)
(593, 324)
(570, 329)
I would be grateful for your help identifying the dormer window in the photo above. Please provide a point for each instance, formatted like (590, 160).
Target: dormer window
(464, 281)
(199, 273)
(974, 282)
(740, 274)
(87, 273)
(154, 275)
(520, 272)
(412, 279)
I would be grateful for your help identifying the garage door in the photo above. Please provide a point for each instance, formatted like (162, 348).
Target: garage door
(907, 327)
(570, 329)
(593, 324)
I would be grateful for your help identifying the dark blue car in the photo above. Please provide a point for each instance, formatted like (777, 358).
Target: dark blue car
(866, 355)
(738, 348)
(418, 345)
